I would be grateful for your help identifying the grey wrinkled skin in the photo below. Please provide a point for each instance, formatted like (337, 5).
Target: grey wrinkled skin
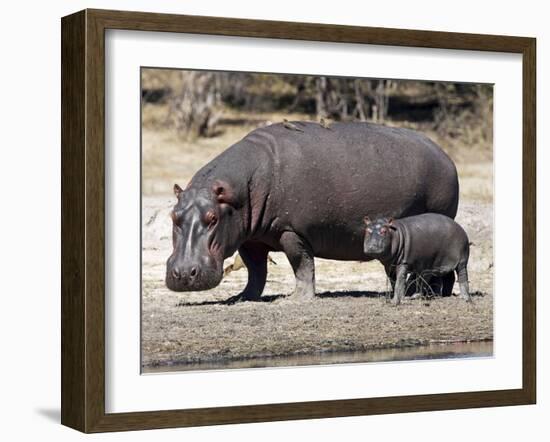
(303, 193)
(430, 245)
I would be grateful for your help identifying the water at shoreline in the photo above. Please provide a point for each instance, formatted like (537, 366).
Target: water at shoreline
(425, 352)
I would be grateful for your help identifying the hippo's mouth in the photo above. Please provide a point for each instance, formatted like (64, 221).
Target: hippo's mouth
(374, 252)
(204, 280)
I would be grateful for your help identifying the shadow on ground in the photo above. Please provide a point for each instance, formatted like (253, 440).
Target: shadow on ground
(374, 294)
(272, 298)
(230, 301)
(352, 294)
(324, 295)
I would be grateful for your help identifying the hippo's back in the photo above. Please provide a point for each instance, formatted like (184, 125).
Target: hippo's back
(327, 180)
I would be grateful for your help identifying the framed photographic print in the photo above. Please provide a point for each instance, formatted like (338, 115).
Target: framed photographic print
(268, 221)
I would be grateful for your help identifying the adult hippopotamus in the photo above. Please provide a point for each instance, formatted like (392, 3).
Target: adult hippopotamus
(302, 188)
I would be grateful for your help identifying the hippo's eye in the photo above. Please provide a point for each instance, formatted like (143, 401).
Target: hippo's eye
(383, 231)
(176, 216)
(175, 222)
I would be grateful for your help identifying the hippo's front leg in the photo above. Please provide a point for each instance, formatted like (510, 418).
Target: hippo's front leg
(300, 256)
(400, 283)
(390, 273)
(254, 256)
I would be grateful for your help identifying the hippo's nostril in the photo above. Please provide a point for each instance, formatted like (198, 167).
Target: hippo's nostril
(193, 272)
(176, 274)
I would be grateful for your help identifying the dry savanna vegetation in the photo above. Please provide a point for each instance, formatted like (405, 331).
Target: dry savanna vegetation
(189, 117)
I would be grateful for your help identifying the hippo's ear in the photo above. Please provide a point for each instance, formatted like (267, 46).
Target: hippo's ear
(390, 224)
(366, 220)
(177, 190)
(224, 193)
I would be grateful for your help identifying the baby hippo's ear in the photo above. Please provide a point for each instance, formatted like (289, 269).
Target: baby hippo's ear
(390, 224)
(367, 220)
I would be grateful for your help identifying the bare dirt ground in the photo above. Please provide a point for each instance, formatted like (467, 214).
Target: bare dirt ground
(350, 312)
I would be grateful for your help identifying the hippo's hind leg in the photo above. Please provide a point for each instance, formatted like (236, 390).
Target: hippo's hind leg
(254, 256)
(440, 285)
(300, 256)
(462, 273)
(448, 282)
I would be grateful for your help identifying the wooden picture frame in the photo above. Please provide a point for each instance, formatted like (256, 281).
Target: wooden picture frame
(83, 220)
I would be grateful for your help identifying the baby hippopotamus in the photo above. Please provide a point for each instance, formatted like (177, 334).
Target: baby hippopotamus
(428, 245)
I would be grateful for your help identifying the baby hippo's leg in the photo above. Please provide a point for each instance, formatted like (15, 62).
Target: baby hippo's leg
(390, 273)
(462, 273)
(400, 282)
